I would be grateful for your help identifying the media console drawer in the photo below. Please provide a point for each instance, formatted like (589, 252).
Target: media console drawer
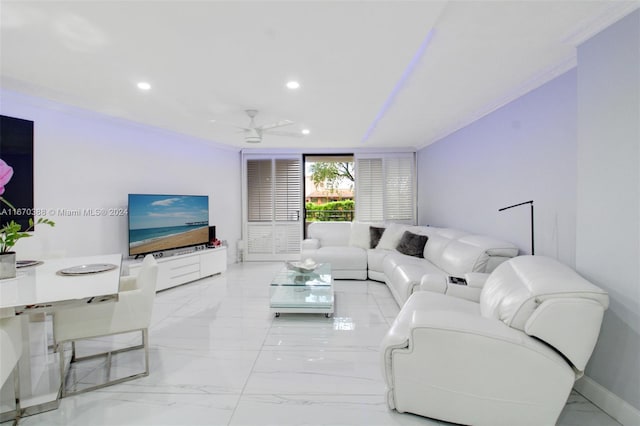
(181, 262)
(184, 268)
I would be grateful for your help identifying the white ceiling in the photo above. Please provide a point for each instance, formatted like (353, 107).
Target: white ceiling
(373, 74)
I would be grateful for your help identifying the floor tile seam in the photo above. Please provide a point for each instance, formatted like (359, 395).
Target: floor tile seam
(332, 394)
(153, 326)
(319, 350)
(142, 392)
(251, 371)
(386, 319)
(199, 353)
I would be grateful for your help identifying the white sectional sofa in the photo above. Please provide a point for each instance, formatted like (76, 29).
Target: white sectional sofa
(447, 253)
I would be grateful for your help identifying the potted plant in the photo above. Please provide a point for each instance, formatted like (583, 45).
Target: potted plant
(10, 233)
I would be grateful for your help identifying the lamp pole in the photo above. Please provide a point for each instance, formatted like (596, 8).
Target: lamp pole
(533, 252)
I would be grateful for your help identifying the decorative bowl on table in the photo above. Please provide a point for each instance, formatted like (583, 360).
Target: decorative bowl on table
(304, 267)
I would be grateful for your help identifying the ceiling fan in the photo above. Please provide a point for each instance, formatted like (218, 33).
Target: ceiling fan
(253, 133)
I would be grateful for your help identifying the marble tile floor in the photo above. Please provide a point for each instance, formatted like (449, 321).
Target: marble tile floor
(219, 357)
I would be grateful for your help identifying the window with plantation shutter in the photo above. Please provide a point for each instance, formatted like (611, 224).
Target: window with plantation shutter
(273, 223)
(369, 186)
(259, 190)
(385, 188)
(288, 189)
(399, 195)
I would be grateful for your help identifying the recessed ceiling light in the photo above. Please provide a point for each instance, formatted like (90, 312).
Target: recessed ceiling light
(306, 131)
(293, 85)
(143, 85)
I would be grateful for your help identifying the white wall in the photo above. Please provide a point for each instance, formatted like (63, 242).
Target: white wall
(86, 160)
(523, 151)
(608, 201)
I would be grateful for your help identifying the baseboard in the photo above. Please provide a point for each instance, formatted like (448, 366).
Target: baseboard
(607, 401)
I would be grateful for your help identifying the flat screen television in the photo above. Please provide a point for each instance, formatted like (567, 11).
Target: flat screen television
(164, 222)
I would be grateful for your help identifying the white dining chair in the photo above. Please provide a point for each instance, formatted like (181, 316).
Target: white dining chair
(10, 353)
(131, 312)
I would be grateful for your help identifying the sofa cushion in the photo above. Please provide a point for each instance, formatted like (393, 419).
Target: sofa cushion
(391, 236)
(450, 233)
(412, 244)
(492, 246)
(375, 258)
(435, 246)
(395, 258)
(330, 234)
(407, 278)
(343, 258)
(375, 234)
(360, 234)
(458, 258)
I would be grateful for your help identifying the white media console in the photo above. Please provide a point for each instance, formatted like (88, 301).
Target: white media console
(177, 269)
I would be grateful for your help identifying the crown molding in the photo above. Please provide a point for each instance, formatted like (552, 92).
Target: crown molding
(617, 11)
(518, 91)
(577, 36)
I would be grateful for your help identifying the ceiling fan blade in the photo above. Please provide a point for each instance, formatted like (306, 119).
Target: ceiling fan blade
(280, 123)
(223, 124)
(289, 134)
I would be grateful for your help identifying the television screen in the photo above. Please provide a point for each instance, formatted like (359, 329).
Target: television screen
(164, 222)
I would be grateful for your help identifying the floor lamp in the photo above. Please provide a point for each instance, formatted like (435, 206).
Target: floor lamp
(521, 204)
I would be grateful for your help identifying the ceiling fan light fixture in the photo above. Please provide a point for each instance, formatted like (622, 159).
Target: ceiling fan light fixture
(293, 85)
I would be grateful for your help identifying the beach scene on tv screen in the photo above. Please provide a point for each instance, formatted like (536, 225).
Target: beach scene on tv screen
(162, 222)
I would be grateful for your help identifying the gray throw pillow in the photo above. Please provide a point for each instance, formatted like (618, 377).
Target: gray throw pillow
(412, 244)
(375, 234)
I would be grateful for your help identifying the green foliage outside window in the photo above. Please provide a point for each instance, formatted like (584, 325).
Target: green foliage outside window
(334, 211)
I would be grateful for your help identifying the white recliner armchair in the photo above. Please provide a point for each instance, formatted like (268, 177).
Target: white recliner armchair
(511, 359)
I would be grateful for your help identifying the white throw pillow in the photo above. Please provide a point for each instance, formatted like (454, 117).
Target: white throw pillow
(391, 236)
(360, 235)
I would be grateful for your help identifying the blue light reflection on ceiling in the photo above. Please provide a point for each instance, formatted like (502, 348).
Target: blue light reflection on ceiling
(405, 75)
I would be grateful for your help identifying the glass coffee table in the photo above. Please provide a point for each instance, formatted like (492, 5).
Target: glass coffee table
(303, 292)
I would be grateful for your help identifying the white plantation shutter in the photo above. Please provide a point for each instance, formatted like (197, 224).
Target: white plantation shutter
(259, 190)
(385, 188)
(259, 238)
(399, 189)
(288, 189)
(369, 190)
(287, 238)
(273, 223)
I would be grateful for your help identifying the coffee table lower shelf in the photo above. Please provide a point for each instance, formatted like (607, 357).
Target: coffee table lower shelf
(277, 311)
(310, 293)
(302, 300)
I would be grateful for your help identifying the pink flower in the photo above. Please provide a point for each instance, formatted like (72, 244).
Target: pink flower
(6, 172)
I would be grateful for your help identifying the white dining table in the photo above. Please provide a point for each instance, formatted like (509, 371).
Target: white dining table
(51, 285)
